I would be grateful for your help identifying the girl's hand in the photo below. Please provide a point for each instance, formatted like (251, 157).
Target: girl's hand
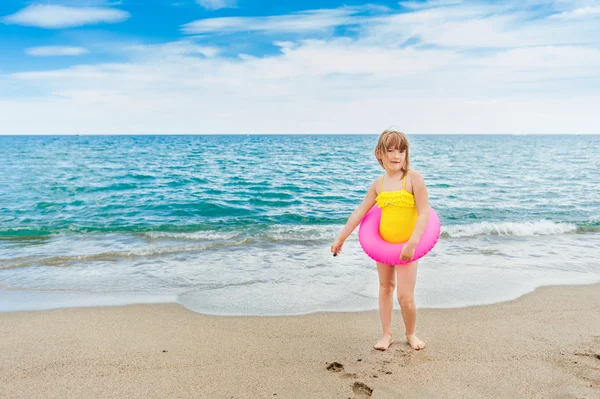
(336, 247)
(408, 251)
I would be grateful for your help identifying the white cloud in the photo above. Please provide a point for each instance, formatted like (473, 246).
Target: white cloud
(305, 21)
(320, 86)
(217, 4)
(179, 48)
(429, 4)
(480, 26)
(58, 16)
(107, 112)
(579, 13)
(48, 51)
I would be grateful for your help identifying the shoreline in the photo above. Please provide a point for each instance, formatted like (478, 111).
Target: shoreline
(543, 344)
(104, 300)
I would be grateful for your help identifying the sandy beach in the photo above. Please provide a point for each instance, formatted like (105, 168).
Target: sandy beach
(543, 345)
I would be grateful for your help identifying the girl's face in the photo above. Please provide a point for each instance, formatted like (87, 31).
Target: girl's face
(395, 159)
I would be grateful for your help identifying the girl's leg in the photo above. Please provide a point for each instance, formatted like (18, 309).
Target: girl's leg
(407, 277)
(387, 283)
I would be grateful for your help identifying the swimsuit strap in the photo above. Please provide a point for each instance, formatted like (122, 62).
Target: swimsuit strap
(404, 181)
(381, 185)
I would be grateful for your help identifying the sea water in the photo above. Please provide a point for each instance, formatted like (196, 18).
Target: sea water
(242, 225)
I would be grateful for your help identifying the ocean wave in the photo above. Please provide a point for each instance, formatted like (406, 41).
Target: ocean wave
(287, 234)
(192, 236)
(518, 229)
(299, 234)
(111, 256)
(294, 229)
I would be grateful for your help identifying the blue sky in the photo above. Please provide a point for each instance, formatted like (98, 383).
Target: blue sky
(239, 66)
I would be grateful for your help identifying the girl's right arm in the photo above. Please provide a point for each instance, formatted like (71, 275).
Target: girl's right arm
(355, 219)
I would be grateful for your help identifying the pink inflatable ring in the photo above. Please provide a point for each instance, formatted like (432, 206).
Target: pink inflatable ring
(387, 253)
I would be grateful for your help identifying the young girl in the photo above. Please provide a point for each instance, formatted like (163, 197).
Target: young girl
(402, 195)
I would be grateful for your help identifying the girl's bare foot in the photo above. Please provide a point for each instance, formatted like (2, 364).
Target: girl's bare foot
(415, 342)
(383, 343)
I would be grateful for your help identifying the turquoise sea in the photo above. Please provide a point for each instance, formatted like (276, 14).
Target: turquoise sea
(241, 225)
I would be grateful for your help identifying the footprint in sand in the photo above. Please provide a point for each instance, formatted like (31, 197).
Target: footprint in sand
(590, 355)
(584, 365)
(403, 357)
(361, 390)
(335, 367)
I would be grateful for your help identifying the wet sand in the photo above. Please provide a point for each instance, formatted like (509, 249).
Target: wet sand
(543, 345)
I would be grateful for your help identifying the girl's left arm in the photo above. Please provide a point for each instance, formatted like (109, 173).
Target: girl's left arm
(422, 203)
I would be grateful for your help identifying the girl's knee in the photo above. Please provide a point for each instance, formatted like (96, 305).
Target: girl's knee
(387, 287)
(406, 300)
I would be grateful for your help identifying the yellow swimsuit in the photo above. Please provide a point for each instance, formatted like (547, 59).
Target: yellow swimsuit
(398, 214)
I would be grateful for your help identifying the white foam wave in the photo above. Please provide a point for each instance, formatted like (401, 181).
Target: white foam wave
(299, 233)
(62, 261)
(540, 228)
(196, 235)
(277, 233)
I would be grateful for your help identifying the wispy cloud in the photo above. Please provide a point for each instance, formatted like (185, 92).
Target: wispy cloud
(217, 4)
(579, 13)
(59, 16)
(179, 48)
(429, 4)
(50, 51)
(481, 26)
(305, 21)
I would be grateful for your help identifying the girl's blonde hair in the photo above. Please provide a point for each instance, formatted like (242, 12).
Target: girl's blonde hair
(395, 140)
